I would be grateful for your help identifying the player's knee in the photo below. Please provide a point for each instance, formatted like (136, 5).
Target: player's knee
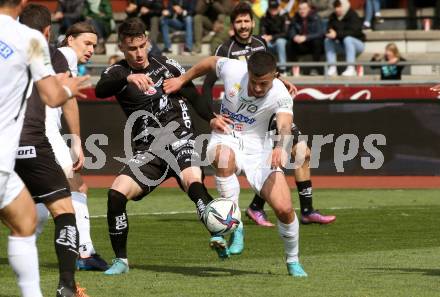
(61, 206)
(224, 161)
(284, 212)
(26, 225)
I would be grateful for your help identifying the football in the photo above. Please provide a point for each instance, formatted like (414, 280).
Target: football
(222, 216)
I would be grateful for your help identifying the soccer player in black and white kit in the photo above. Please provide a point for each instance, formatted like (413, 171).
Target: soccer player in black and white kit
(240, 47)
(24, 61)
(159, 152)
(37, 166)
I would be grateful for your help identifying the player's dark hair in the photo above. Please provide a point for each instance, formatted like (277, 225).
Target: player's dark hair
(132, 27)
(36, 16)
(10, 3)
(240, 9)
(77, 29)
(261, 63)
(337, 3)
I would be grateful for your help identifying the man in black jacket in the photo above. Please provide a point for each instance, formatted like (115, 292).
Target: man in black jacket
(306, 33)
(149, 11)
(68, 13)
(344, 35)
(179, 16)
(273, 30)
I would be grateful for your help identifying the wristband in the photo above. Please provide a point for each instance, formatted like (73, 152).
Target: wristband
(68, 91)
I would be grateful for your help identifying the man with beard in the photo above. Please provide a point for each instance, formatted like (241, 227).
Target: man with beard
(241, 46)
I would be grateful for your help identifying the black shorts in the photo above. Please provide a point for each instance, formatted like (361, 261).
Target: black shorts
(150, 167)
(44, 178)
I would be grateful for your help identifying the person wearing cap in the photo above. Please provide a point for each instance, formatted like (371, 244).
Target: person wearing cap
(273, 28)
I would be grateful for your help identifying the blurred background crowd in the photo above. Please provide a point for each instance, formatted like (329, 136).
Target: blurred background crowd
(322, 30)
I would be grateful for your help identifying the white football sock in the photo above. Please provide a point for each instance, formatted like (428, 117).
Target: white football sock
(79, 201)
(23, 258)
(289, 233)
(42, 216)
(228, 187)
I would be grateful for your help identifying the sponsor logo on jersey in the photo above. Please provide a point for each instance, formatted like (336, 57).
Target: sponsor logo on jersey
(185, 114)
(176, 64)
(238, 127)
(183, 142)
(156, 71)
(151, 91)
(237, 116)
(5, 50)
(234, 91)
(26, 152)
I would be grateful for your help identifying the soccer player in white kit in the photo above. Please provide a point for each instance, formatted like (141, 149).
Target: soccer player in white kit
(252, 96)
(77, 48)
(24, 59)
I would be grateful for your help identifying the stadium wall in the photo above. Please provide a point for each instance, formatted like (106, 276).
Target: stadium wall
(408, 118)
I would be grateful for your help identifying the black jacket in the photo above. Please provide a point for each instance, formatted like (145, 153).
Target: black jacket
(274, 25)
(389, 71)
(315, 28)
(154, 6)
(189, 7)
(71, 9)
(350, 25)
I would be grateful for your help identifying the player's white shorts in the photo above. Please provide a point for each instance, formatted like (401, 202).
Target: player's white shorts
(61, 151)
(254, 162)
(10, 186)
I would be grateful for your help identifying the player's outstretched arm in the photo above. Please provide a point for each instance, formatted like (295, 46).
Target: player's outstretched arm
(281, 151)
(173, 85)
(56, 90)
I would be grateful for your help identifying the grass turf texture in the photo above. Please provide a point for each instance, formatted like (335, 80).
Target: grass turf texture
(384, 243)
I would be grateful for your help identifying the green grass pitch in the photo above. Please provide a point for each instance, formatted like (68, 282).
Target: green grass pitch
(384, 243)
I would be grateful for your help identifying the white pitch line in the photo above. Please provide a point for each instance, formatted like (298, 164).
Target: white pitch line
(165, 213)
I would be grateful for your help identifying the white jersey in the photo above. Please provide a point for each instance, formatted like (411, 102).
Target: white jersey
(252, 116)
(24, 56)
(53, 115)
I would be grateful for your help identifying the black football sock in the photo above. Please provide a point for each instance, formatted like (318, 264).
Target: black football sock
(305, 196)
(117, 221)
(198, 193)
(257, 203)
(66, 247)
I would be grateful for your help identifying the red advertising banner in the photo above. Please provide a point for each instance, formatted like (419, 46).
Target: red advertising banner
(343, 93)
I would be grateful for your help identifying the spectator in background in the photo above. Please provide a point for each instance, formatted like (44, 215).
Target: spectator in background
(306, 34)
(68, 13)
(207, 13)
(412, 12)
(372, 8)
(392, 56)
(178, 15)
(150, 12)
(324, 8)
(99, 13)
(273, 30)
(113, 59)
(289, 7)
(344, 35)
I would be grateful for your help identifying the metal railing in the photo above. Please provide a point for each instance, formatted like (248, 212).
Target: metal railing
(374, 79)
